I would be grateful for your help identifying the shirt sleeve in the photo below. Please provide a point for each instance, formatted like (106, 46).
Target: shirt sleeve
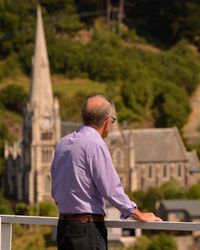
(108, 182)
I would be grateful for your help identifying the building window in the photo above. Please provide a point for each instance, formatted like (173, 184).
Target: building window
(47, 155)
(142, 182)
(165, 171)
(46, 136)
(118, 158)
(150, 171)
(47, 184)
(179, 170)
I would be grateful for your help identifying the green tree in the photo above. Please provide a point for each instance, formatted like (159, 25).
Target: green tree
(186, 23)
(171, 105)
(21, 209)
(172, 190)
(10, 66)
(146, 200)
(67, 57)
(162, 242)
(47, 208)
(66, 18)
(141, 243)
(138, 96)
(194, 191)
(13, 97)
(179, 65)
(104, 66)
(164, 22)
(9, 25)
(5, 206)
(139, 198)
(153, 195)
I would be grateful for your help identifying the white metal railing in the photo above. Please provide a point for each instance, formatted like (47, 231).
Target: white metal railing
(6, 222)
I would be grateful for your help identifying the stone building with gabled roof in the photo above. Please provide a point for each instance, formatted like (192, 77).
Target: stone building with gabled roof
(160, 155)
(142, 157)
(154, 157)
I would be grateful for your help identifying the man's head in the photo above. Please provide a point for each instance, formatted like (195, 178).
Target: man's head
(97, 113)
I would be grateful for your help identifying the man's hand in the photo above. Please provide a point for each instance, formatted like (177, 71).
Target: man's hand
(144, 216)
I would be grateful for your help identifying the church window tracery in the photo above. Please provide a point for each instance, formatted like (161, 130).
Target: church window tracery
(45, 136)
(47, 155)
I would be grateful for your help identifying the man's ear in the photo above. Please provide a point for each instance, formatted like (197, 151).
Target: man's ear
(106, 122)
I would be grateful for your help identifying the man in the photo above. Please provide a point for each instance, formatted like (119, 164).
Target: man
(83, 176)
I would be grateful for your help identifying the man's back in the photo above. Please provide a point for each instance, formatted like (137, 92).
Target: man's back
(72, 184)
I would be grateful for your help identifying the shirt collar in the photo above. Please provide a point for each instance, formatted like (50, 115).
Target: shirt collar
(90, 131)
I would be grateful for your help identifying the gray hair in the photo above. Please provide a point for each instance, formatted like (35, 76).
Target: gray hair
(95, 110)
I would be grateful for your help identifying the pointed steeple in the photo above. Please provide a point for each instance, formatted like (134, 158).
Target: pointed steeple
(41, 95)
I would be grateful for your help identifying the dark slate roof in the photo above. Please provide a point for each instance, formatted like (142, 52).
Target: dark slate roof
(158, 145)
(69, 127)
(192, 207)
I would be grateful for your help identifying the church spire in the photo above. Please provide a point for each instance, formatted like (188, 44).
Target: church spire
(41, 95)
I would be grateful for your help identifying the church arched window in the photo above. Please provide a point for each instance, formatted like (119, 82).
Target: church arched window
(179, 170)
(118, 158)
(165, 170)
(150, 173)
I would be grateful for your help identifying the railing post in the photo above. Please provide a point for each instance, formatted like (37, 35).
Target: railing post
(6, 236)
(138, 232)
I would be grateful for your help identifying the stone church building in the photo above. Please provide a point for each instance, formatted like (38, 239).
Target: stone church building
(142, 157)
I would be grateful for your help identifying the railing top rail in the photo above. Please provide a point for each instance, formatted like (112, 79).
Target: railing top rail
(165, 225)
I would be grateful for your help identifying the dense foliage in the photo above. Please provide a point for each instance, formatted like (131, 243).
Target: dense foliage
(169, 190)
(162, 22)
(45, 208)
(5, 206)
(13, 97)
(165, 22)
(150, 88)
(157, 242)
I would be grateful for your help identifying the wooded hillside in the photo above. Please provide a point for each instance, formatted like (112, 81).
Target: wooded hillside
(147, 61)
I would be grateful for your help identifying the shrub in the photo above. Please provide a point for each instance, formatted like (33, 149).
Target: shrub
(47, 208)
(13, 97)
(21, 209)
(162, 242)
(5, 206)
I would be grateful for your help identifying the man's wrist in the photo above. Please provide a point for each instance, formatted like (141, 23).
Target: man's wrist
(137, 215)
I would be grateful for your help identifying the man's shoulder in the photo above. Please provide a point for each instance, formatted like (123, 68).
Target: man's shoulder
(66, 137)
(82, 139)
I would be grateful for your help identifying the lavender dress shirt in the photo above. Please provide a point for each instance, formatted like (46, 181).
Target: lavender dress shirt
(83, 176)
